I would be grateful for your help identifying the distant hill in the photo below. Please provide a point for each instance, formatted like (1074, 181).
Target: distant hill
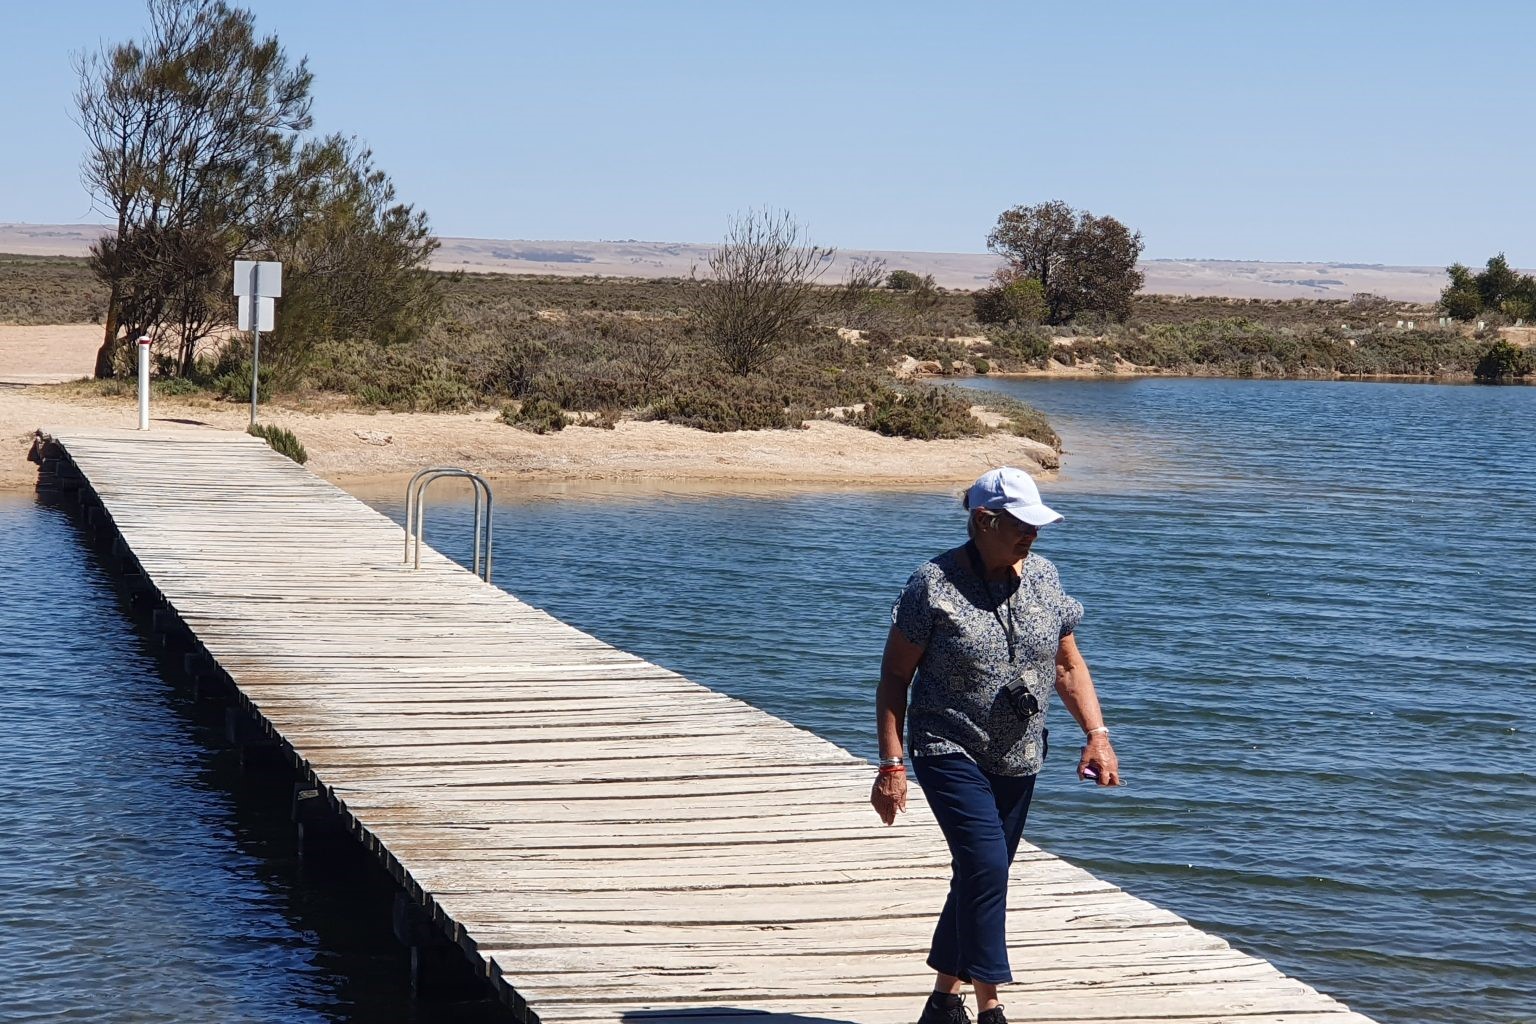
(629, 258)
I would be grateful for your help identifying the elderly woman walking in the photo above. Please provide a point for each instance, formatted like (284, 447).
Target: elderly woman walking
(987, 629)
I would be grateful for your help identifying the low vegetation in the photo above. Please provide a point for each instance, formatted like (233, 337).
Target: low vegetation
(558, 352)
(49, 290)
(593, 350)
(1503, 363)
(282, 441)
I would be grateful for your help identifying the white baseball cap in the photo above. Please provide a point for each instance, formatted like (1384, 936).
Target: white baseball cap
(1013, 491)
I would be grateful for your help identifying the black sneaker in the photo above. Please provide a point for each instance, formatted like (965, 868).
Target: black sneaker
(944, 1008)
(992, 1016)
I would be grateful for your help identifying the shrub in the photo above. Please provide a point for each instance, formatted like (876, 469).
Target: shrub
(722, 412)
(925, 414)
(602, 419)
(176, 387)
(1021, 301)
(234, 384)
(282, 441)
(903, 281)
(1503, 361)
(944, 351)
(538, 415)
(1023, 419)
(1029, 345)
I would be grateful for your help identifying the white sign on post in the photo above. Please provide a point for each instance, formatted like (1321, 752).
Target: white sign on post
(266, 313)
(258, 282)
(268, 273)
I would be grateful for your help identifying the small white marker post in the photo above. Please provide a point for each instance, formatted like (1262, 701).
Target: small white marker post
(143, 345)
(257, 283)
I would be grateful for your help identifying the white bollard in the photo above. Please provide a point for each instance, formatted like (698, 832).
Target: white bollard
(144, 382)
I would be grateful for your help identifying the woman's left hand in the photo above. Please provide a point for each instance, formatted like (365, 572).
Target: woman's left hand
(1099, 756)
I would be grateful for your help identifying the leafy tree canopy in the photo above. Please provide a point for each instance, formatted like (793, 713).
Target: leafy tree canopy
(1083, 263)
(194, 148)
(1497, 288)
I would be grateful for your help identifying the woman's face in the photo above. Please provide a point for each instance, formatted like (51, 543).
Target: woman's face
(1006, 535)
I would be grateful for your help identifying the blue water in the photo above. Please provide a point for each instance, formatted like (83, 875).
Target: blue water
(1309, 616)
(144, 878)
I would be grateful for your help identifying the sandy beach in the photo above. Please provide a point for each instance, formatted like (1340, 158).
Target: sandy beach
(356, 448)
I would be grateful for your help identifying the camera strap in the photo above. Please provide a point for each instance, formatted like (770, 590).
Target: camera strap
(1006, 622)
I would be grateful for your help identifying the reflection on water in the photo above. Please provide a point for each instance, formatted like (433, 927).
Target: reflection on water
(1308, 611)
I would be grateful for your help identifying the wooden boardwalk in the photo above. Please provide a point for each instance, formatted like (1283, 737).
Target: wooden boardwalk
(607, 840)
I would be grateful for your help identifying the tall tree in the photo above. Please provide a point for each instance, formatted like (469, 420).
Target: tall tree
(354, 257)
(1497, 288)
(1461, 299)
(188, 132)
(1085, 264)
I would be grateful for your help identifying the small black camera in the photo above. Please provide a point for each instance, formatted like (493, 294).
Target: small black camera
(1025, 704)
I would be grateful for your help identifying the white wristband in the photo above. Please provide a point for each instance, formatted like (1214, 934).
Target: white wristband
(1098, 730)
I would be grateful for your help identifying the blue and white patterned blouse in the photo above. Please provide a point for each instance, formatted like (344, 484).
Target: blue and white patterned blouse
(957, 704)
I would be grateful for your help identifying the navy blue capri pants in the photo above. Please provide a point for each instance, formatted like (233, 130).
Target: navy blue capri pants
(982, 816)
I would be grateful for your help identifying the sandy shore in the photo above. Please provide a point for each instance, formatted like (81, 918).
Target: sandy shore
(360, 449)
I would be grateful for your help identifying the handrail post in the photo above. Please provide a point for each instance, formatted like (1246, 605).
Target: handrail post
(415, 515)
(410, 490)
(490, 521)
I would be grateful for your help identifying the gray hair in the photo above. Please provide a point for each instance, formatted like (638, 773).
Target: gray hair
(986, 517)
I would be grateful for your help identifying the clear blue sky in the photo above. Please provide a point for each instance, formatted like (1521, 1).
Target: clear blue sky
(1352, 131)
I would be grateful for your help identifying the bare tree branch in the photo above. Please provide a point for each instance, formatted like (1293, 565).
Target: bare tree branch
(761, 290)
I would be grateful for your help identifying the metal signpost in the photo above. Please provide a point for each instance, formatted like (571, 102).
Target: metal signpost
(257, 283)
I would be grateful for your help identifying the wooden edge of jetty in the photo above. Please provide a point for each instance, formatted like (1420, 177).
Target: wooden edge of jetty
(597, 838)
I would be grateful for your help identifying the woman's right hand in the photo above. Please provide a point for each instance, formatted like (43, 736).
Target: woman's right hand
(889, 795)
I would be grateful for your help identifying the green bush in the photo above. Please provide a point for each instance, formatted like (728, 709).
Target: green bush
(539, 415)
(1021, 345)
(722, 412)
(945, 351)
(282, 441)
(401, 378)
(924, 413)
(903, 281)
(1504, 361)
(175, 387)
(1019, 302)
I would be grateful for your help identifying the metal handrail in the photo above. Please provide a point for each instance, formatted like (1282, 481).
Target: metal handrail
(415, 518)
(410, 502)
(431, 476)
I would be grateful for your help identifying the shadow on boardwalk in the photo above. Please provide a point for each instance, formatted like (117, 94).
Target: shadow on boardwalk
(724, 1015)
